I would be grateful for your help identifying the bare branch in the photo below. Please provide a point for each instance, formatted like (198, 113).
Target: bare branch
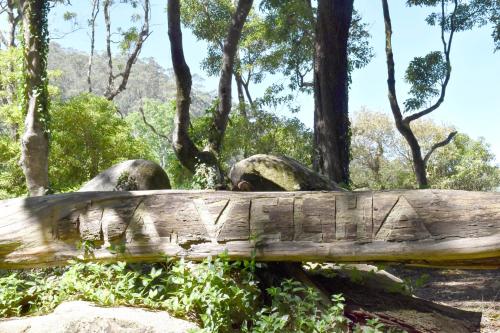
(302, 83)
(152, 128)
(402, 125)
(64, 34)
(438, 145)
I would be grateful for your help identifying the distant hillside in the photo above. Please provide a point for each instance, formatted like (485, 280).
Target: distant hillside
(147, 79)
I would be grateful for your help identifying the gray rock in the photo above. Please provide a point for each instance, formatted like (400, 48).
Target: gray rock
(83, 317)
(277, 173)
(129, 176)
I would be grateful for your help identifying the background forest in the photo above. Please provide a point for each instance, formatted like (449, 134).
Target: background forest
(380, 156)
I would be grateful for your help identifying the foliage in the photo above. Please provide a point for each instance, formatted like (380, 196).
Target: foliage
(424, 74)
(470, 14)
(466, 165)
(220, 295)
(86, 137)
(382, 160)
(205, 177)
(12, 181)
(279, 38)
(295, 308)
(160, 116)
(259, 132)
(101, 139)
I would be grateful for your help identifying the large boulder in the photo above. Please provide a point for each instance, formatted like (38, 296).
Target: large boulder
(84, 317)
(277, 173)
(131, 175)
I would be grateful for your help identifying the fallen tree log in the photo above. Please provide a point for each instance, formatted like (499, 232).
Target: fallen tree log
(419, 227)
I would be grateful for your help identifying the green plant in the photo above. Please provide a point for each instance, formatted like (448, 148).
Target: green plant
(221, 296)
(296, 308)
(126, 182)
(220, 293)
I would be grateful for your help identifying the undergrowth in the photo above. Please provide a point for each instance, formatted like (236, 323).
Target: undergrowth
(219, 295)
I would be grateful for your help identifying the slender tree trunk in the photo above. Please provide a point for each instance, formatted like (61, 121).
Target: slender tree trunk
(35, 140)
(241, 96)
(221, 117)
(107, 23)
(184, 148)
(331, 121)
(95, 12)
(247, 93)
(14, 17)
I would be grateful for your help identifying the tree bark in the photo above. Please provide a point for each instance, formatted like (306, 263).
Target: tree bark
(186, 151)
(35, 140)
(331, 121)
(221, 116)
(420, 227)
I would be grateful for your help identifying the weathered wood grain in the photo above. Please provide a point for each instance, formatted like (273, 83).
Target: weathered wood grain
(424, 227)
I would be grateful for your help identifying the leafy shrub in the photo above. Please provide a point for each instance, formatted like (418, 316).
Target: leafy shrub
(221, 296)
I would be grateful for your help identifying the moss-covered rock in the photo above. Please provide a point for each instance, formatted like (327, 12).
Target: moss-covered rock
(130, 175)
(277, 173)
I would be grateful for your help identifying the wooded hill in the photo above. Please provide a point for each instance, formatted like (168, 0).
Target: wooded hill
(148, 80)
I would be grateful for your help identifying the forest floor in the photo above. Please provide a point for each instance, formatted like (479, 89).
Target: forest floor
(470, 290)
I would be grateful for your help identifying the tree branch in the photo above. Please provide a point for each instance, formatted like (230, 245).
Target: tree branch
(446, 48)
(438, 145)
(144, 34)
(224, 91)
(152, 128)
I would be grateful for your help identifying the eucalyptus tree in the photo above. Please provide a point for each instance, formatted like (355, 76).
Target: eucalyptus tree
(331, 119)
(188, 153)
(35, 139)
(429, 75)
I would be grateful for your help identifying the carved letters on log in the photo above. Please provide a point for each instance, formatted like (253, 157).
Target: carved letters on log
(426, 226)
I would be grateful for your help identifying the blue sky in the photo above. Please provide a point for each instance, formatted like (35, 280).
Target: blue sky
(472, 101)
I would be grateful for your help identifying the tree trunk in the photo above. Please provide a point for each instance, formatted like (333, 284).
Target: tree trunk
(14, 17)
(184, 148)
(331, 121)
(419, 227)
(402, 125)
(35, 140)
(92, 22)
(241, 95)
(221, 116)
